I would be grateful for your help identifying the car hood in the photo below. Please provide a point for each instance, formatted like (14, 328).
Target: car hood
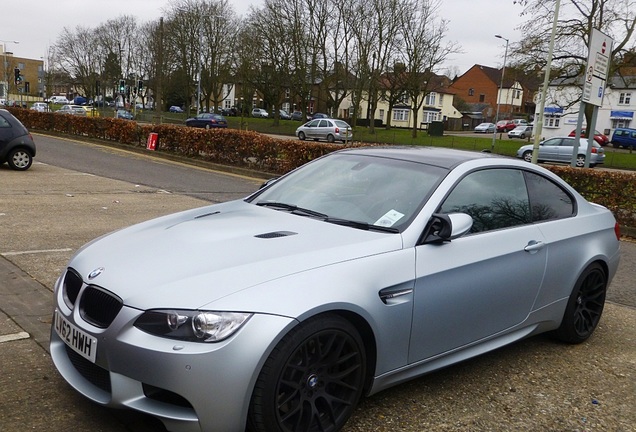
(193, 258)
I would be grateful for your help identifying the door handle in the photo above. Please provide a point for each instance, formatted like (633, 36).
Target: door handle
(534, 246)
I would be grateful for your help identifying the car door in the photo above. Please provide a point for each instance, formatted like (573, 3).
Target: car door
(565, 150)
(312, 129)
(325, 127)
(486, 282)
(549, 149)
(6, 132)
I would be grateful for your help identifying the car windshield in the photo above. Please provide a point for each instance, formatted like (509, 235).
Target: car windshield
(360, 191)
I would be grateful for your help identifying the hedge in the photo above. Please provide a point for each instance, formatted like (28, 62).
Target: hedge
(615, 190)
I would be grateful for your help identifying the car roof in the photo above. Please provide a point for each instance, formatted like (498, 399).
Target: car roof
(437, 156)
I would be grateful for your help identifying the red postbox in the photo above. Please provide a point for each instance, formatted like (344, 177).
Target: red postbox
(152, 141)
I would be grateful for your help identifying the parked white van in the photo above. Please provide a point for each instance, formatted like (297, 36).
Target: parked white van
(61, 100)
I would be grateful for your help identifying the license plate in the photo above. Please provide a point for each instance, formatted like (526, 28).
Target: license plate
(81, 342)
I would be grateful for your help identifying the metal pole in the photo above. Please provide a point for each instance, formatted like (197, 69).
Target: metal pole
(503, 71)
(4, 66)
(546, 81)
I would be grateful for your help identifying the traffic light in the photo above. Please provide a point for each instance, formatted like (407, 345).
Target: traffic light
(122, 86)
(140, 85)
(16, 71)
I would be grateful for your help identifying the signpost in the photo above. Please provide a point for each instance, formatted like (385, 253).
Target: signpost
(597, 68)
(598, 61)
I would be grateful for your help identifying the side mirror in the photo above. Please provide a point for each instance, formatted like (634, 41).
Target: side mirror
(446, 227)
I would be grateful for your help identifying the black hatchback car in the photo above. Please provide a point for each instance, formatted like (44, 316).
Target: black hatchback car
(16, 143)
(207, 120)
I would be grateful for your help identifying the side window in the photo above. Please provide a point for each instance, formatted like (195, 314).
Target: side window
(494, 198)
(324, 123)
(547, 199)
(4, 123)
(552, 142)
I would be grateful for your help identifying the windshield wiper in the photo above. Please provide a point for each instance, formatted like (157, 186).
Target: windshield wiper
(292, 208)
(361, 225)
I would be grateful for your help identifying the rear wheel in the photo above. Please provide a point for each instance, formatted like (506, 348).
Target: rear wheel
(585, 306)
(331, 138)
(313, 379)
(19, 159)
(580, 161)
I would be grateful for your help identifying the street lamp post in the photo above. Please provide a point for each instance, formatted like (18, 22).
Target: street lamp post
(503, 71)
(4, 66)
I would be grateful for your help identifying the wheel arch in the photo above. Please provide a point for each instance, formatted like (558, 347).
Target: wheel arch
(369, 340)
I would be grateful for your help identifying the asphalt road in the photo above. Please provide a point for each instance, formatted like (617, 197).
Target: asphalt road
(77, 191)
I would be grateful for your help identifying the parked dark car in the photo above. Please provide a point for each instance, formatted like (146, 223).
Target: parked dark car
(297, 115)
(207, 121)
(319, 116)
(175, 109)
(16, 143)
(124, 114)
(229, 112)
(624, 137)
(284, 115)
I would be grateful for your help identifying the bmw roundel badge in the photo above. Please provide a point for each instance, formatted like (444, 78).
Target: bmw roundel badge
(92, 275)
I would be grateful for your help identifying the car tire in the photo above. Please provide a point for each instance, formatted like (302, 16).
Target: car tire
(19, 159)
(312, 380)
(301, 136)
(331, 138)
(580, 161)
(207, 126)
(527, 156)
(585, 306)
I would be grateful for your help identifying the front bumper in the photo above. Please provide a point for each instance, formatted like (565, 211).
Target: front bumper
(188, 386)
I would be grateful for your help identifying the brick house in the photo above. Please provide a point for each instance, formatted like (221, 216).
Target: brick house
(479, 89)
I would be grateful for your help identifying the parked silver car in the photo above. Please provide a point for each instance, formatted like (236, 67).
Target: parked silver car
(523, 131)
(485, 128)
(561, 149)
(327, 129)
(259, 112)
(73, 110)
(360, 270)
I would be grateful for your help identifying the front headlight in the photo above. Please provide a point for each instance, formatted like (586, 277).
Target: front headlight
(193, 326)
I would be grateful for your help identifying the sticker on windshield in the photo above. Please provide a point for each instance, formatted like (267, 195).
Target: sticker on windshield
(389, 219)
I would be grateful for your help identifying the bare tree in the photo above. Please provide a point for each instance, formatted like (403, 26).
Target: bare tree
(77, 55)
(577, 18)
(424, 51)
(377, 26)
(275, 60)
(183, 47)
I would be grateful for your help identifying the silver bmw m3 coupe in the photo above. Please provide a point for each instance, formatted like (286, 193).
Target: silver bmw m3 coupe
(353, 273)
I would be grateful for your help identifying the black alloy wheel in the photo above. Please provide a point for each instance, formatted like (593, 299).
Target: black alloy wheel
(313, 379)
(585, 306)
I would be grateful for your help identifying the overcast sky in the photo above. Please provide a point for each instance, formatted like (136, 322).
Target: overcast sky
(473, 24)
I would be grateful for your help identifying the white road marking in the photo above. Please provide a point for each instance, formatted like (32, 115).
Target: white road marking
(14, 253)
(14, 337)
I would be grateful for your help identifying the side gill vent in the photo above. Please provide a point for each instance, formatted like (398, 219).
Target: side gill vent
(275, 234)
